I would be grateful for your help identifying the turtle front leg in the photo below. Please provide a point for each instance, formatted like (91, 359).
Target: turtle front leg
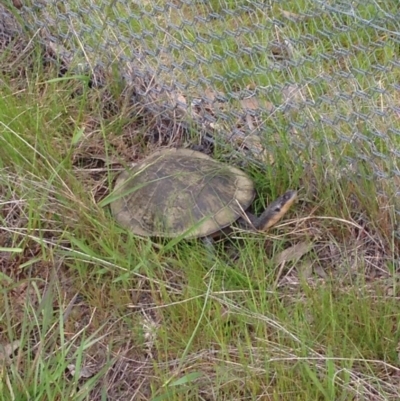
(209, 244)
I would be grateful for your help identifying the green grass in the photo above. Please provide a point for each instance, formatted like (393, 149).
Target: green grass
(91, 312)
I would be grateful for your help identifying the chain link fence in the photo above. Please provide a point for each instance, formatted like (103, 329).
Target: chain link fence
(317, 78)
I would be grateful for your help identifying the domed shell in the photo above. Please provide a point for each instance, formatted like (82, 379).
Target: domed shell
(180, 192)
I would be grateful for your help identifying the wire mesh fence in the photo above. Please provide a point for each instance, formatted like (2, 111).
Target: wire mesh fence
(317, 78)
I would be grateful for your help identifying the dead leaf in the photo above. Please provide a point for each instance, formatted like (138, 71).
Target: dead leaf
(250, 103)
(305, 269)
(295, 252)
(319, 271)
(84, 373)
(179, 100)
(17, 4)
(293, 16)
(209, 95)
(7, 350)
(253, 142)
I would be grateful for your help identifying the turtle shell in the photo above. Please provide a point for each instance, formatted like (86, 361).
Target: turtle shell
(180, 192)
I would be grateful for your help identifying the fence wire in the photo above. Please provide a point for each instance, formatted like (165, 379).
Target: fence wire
(317, 78)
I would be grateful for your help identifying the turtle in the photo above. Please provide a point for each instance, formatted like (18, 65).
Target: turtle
(182, 192)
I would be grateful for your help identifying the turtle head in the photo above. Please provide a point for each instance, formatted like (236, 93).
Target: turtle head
(275, 211)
